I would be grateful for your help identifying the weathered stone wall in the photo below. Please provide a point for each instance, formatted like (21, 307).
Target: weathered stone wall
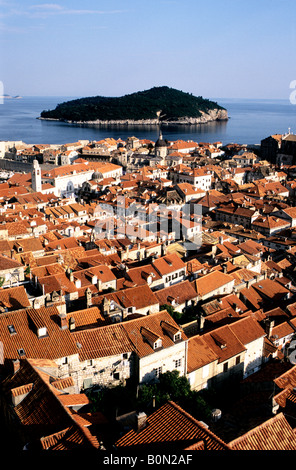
(104, 371)
(13, 165)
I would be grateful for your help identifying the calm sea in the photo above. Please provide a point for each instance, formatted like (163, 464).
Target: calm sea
(250, 122)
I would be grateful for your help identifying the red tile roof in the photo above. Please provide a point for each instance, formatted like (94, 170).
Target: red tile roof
(274, 434)
(138, 297)
(210, 282)
(58, 343)
(42, 410)
(170, 427)
(181, 292)
(168, 263)
(14, 298)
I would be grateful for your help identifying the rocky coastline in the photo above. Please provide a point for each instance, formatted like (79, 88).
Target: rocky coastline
(212, 115)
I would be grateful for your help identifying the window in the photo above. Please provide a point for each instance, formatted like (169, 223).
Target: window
(177, 336)
(21, 352)
(11, 329)
(87, 383)
(157, 344)
(157, 371)
(178, 363)
(225, 367)
(237, 361)
(65, 360)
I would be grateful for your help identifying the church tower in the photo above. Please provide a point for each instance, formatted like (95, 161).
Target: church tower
(161, 149)
(36, 177)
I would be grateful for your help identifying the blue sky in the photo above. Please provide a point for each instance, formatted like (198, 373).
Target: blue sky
(213, 48)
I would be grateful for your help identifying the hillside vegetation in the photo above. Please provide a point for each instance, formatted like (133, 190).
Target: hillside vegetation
(172, 103)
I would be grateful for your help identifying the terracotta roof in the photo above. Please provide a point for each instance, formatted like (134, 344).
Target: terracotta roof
(247, 330)
(199, 353)
(274, 434)
(56, 283)
(70, 438)
(74, 399)
(102, 272)
(104, 341)
(47, 270)
(171, 428)
(125, 337)
(41, 410)
(138, 297)
(168, 263)
(58, 343)
(210, 282)
(138, 276)
(252, 296)
(8, 263)
(155, 323)
(14, 298)
(271, 289)
(224, 343)
(61, 384)
(62, 243)
(287, 380)
(180, 292)
(270, 222)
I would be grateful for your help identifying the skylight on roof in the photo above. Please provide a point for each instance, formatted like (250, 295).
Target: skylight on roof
(11, 329)
(21, 352)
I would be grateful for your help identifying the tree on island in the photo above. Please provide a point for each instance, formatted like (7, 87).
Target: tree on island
(142, 105)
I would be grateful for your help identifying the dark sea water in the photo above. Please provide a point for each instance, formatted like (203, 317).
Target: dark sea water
(250, 122)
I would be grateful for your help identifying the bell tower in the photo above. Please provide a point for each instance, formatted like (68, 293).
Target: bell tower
(36, 177)
(161, 149)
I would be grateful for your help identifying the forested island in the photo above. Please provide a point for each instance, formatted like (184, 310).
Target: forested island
(159, 104)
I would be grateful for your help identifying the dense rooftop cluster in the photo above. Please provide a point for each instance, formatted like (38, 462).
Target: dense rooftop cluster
(121, 261)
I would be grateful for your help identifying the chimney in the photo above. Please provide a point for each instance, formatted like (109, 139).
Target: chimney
(269, 326)
(72, 324)
(201, 320)
(88, 295)
(63, 321)
(106, 306)
(15, 365)
(99, 285)
(141, 420)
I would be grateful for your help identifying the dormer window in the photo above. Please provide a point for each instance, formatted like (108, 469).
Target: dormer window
(153, 339)
(173, 332)
(11, 329)
(219, 341)
(157, 344)
(21, 352)
(177, 336)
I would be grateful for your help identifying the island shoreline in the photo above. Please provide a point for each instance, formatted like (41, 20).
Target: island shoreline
(214, 116)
